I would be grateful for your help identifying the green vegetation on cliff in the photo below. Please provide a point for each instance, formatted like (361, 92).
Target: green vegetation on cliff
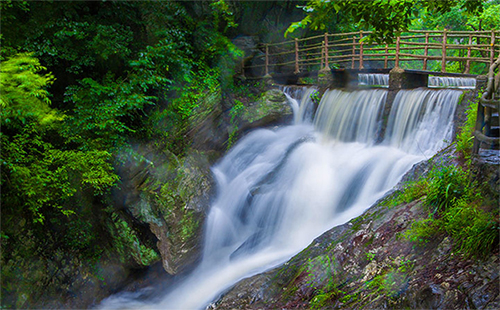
(81, 83)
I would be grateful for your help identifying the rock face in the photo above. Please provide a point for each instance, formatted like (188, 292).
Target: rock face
(368, 264)
(159, 192)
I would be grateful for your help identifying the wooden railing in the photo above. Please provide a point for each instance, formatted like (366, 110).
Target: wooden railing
(489, 105)
(445, 51)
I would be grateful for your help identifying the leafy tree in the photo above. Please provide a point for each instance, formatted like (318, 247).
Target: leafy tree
(37, 173)
(458, 19)
(386, 18)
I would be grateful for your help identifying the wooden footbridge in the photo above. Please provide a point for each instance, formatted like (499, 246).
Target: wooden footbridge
(439, 52)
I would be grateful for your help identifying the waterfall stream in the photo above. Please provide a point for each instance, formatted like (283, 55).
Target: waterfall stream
(453, 82)
(374, 79)
(279, 189)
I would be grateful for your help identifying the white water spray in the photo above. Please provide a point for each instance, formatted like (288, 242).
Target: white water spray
(279, 189)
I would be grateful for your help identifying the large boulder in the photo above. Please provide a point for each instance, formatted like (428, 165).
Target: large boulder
(162, 200)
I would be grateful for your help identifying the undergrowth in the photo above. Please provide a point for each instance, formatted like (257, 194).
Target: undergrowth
(454, 202)
(454, 205)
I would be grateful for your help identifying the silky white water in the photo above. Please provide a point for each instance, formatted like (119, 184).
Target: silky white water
(279, 189)
(301, 101)
(452, 82)
(374, 79)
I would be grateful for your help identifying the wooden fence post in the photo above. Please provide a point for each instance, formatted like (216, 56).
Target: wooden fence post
(267, 60)
(296, 56)
(426, 50)
(326, 52)
(360, 49)
(492, 51)
(443, 53)
(353, 51)
(386, 60)
(322, 55)
(396, 64)
(467, 63)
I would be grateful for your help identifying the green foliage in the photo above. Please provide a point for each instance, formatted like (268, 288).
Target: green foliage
(117, 69)
(476, 231)
(188, 225)
(459, 18)
(455, 209)
(223, 14)
(349, 298)
(41, 176)
(412, 191)
(319, 269)
(386, 18)
(315, 97)
(465, 137)
(422, 231)
(447, 185)
(387, 284)
(199, 84)
(236, 112)
(370, 256)
(128, 245)
(37, 173)
(24, 95)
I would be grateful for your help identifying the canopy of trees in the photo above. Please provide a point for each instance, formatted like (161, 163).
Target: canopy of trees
(387, 18)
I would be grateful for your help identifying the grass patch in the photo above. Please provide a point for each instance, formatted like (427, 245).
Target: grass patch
(454, 205)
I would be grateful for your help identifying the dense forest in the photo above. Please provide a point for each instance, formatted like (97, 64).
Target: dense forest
(90, 89)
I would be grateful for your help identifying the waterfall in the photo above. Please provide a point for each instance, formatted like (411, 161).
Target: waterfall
(279, 189)
(452, 82)
(416, 120)
(374, 79)
(356, 121)
(301, 101)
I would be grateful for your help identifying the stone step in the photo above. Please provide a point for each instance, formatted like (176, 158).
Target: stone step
(495, 119)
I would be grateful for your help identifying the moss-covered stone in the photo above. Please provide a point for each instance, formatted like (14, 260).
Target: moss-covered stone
(271, 109)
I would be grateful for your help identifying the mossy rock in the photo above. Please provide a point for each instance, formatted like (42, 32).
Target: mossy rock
(271, 109)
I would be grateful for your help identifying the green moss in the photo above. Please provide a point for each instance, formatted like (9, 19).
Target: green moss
(189, 225)
(321, 270)
(349, 298)
(270, 102)
(127, 243)
(236, 112)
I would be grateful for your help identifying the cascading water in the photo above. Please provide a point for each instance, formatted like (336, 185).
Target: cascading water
(452, 82)
(415, 120)
(301, 101)
(358, 120)
(279, 189)
(374, 79)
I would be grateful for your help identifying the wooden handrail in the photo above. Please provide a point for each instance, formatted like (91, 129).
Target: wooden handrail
(419, 46)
